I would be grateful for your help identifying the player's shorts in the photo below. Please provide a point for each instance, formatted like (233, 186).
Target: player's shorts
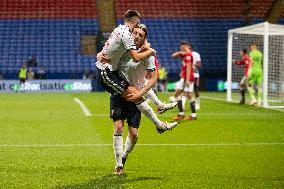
(121, 109)
(112, 82)
(22, 80)
(255, 76)
(181, 86)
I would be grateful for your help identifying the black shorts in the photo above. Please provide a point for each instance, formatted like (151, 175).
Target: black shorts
(22, 80)
(121, 109)
(112, 82)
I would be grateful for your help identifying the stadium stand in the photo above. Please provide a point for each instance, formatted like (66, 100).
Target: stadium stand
(51, 30)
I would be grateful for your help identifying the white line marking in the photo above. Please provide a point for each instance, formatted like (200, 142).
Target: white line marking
(83, 107)
(100, 145)
(222, 100)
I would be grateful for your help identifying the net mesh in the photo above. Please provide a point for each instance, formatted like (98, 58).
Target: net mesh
(275, 65)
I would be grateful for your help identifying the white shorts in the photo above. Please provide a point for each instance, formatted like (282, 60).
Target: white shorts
(181, 85)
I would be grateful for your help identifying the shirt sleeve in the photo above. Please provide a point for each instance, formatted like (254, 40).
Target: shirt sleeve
(128, 41)
(150, 63)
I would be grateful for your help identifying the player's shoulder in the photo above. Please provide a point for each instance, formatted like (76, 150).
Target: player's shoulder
(124, 30)
(195, 53)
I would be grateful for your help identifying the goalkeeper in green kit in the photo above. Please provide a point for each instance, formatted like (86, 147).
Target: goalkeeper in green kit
(255, 75)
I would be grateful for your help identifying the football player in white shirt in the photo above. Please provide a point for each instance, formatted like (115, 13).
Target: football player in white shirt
(121, 109)
(196, 66)
(120, 42)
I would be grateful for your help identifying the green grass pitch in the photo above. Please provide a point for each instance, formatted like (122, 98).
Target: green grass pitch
(46, 141)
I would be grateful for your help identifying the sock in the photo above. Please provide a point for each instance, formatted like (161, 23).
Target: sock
(197, 100)
(180, 107)
(251, 93)
(153, 97)
(243, 94)
(118, 148)
(183, 99)
(192, 107)
(129, 145)
(149, 113)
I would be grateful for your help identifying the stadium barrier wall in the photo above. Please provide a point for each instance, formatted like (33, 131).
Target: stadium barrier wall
(33, 86)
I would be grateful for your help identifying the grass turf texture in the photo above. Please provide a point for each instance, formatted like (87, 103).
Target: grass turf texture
(47, 119)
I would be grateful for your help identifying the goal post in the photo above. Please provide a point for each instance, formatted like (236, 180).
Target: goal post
(270, 39)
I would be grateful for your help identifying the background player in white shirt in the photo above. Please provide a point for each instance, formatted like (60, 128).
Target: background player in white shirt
(196, 66)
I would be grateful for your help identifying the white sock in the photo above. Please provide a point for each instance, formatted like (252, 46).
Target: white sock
(197, 100)
(149, 113)
(118, 148)
(153, 97)
(183, 100)
(129, 145)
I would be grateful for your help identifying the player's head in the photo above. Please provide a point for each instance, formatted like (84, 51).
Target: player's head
(185, 46)
(132, 18)
(253, 46)
(244, 52)
(140, 33)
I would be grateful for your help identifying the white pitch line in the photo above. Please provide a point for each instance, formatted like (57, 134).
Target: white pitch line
(83, 107)
(222, 100)
(100, 145)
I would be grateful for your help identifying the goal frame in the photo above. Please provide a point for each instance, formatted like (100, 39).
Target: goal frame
(265, 29)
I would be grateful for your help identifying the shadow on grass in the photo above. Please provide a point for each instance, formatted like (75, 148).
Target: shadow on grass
(108, 181)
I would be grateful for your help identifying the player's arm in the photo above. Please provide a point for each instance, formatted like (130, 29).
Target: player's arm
(240, 62)
(102, 58)
(138, 56)
(128, 42)
(178, 54)
(152, 76)
(188, 70)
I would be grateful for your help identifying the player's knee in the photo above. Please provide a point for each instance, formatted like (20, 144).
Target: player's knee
(118, 130)
(133, 133)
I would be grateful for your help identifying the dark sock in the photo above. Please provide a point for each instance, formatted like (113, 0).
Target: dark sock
(180, 106)
(192, 106)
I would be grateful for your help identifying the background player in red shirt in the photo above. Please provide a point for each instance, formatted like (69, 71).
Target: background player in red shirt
(246, 62)
(186, 83)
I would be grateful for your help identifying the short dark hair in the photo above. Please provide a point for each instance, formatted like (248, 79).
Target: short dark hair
(184, 42)
(144, 28)
(130, 14)
(245, 51)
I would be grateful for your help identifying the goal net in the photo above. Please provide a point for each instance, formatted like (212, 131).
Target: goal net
(270, 41)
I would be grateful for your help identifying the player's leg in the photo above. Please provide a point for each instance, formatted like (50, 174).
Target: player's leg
(118, 115)
(251, 90)
(118, 145)
(180, 99)
(189, 93)
(196, 92)
(130, 142)
(243, 89)
(162, 107)
(133, 120)
(259, 89)
(144, 107)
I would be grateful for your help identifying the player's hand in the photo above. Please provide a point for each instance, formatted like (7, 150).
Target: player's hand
(153, 51)
(102, 58)
(133, 97)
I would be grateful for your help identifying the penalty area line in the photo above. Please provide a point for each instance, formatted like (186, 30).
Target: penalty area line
(173, 145)
(83, 107)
